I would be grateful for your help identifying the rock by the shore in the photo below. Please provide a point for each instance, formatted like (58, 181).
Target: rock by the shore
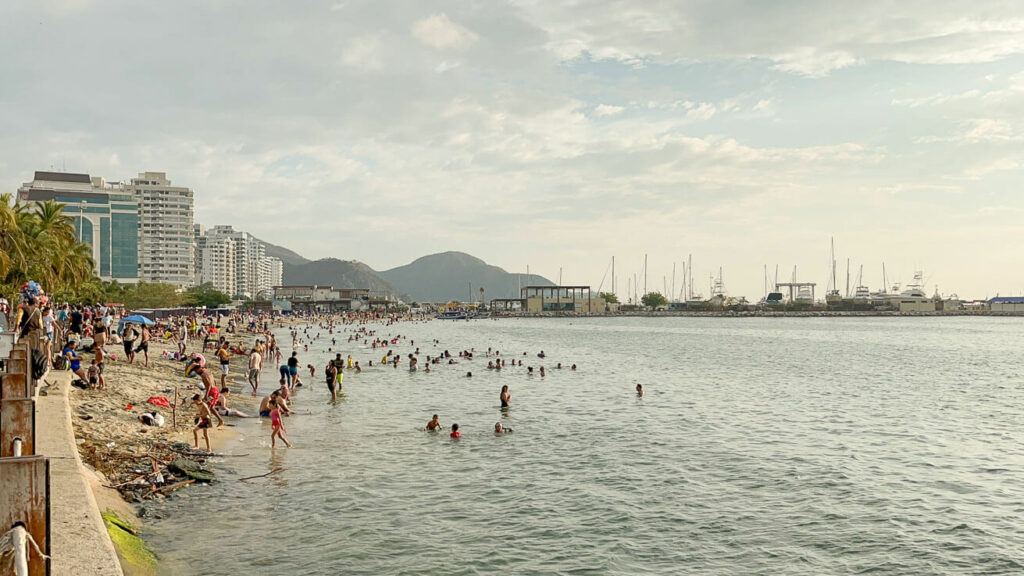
(191, 469)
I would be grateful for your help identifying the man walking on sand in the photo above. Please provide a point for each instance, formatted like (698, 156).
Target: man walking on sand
(144, 343)
(255, 366)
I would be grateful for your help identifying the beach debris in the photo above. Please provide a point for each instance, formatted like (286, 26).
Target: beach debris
(152, 418)
(274, 471)
(191, 469)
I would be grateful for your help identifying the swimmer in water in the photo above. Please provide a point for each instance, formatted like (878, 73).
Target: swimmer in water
(434, 425)
(499, 429)
(505, 397)
(639, 389)
(455, 432)
(469, 374)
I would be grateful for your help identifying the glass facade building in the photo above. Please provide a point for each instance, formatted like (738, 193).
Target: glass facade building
(105, 216)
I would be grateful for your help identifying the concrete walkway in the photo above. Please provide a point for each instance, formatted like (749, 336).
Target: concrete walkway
(79, 540)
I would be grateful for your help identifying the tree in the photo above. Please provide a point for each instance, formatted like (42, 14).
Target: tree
(207, 295)
(37, 242)
(609, 297)
(152, 295)
(654, 300)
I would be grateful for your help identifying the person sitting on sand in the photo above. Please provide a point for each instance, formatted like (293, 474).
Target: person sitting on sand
(434, 425)
(202, 421)
(220, 407)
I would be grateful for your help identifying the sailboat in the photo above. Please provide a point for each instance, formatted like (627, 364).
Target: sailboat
(833, 297)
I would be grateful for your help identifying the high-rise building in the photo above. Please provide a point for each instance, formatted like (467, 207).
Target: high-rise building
(105, 215)
(165, 213)
(254, 272)
(219, 263)
(271, 274)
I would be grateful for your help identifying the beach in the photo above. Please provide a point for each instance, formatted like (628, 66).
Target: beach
(118, 451)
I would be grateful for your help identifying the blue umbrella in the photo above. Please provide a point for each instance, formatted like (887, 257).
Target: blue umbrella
(138, 319)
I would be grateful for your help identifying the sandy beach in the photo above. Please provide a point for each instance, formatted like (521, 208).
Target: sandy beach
(123, 453)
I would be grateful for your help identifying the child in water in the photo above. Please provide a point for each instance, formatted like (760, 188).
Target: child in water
(277, 428)
(455, 432)
(639, 390)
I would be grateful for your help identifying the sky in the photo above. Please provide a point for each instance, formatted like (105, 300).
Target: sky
(554, 135)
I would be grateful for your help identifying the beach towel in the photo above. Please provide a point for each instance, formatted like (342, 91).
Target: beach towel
(159, 401)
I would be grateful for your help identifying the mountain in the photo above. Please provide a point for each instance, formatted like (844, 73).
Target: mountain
(448, 276)
(285, 255)
(340, 274)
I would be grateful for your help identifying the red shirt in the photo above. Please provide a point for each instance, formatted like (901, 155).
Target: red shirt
(456, 434)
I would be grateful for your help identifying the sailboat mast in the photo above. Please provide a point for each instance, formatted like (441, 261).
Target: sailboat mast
(673, 293)
(613, 275)
(645, 274)
(847, 277)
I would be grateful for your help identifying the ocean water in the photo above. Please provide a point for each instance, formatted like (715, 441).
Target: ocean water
(761, 446)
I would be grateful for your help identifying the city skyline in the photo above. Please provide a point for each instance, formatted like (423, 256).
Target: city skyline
(553, 135)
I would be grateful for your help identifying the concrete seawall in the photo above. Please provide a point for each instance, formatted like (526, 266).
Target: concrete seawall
(79, 539)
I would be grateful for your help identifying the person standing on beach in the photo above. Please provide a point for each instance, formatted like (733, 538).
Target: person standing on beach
(128, 337)
(224, 354)
(202, 422)
(255, 366)
(144, 343)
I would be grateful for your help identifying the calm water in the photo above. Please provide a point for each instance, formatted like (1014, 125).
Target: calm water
(762, 446)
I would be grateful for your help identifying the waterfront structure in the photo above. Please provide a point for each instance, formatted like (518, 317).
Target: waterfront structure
(573, 299)
(1006, 304)
(165, 235)
(105, 216)
(314, 298)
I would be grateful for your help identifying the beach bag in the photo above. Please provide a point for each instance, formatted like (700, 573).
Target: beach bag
(39, 364)
(60, 362)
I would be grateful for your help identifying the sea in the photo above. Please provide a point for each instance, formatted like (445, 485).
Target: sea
(761, 446)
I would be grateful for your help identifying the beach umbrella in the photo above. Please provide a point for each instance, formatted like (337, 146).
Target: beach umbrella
(138, 319)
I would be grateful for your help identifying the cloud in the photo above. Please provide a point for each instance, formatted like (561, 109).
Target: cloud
(810, 40)
(439, 32)
(607, 110)
(363, 53)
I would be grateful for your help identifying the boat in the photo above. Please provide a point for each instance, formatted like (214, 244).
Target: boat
(451, 315)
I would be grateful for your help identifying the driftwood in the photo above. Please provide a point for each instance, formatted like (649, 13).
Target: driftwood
(173, 487)
(274, 471)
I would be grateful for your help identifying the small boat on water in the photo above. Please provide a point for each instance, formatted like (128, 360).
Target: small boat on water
(451, 315)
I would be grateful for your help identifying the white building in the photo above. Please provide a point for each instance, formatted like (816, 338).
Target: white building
(219, 263)
(271, 274)
(254, 273)
(166, 251)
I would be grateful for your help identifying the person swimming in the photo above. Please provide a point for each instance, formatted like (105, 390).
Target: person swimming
(434, 425)
(639, 389)
(499, 429)
(505, 397)
(455, 432)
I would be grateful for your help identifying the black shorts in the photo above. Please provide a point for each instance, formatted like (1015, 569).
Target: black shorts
(143, 346)
(128, 348)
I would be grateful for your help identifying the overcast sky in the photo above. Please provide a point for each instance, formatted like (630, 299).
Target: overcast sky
(553, 134)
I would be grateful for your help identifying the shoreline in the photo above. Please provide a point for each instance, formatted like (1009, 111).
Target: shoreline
(768, 314)
(116, 451)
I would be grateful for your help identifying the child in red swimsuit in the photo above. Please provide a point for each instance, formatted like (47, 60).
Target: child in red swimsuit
(277, 428)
